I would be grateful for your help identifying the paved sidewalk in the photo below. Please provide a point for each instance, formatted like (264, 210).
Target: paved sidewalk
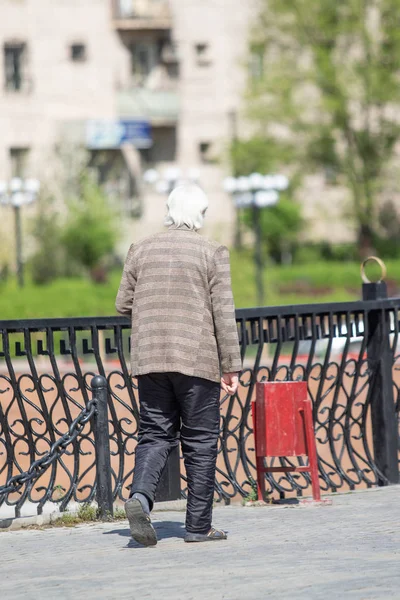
(348, 550)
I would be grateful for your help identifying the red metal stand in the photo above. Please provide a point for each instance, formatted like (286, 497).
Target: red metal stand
(283, 426)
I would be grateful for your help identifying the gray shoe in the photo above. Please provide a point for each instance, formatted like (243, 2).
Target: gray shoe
(212, 536)
(139, 522)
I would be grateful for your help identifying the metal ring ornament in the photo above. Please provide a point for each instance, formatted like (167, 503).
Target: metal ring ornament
(379, 262)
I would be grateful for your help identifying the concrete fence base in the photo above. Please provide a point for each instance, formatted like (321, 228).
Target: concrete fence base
(52, 514)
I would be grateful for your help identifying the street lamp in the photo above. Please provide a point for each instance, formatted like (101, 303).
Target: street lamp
(18, 193)
(166, 181)
(256, 191)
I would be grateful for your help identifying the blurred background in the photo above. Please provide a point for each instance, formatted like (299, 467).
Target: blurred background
(287, 114)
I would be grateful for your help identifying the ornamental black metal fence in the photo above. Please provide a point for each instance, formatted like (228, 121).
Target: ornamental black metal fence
(349, 354)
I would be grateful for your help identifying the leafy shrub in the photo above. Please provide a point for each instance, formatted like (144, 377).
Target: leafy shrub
(90, 233)
(387, 242)
(280, 225)
(307, 254)
(312, 252)
(48, 262)
(340, 252)
(4, 273)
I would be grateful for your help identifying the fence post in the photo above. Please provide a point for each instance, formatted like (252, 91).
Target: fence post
(380, 362)
(104, 495)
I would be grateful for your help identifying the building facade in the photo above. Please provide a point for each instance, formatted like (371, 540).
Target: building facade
(141, 84)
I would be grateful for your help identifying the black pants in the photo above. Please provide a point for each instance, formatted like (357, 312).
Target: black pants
(169, 403)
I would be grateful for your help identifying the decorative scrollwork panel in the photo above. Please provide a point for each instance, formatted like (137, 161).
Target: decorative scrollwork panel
(46, 367)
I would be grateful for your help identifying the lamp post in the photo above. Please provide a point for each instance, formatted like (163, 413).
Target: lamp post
(256, 192)
(18, 193)
(166, 181)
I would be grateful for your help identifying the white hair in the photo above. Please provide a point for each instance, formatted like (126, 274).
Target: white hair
(187, 204)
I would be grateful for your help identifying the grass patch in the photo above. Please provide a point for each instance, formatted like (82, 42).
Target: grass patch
(86, 514)
(294, 284)
(119, 514)
(300, 284)
(66, 520)
(61, 298)
(252, 496)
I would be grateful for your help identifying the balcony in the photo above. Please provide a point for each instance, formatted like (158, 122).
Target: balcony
(136, 15)
(159, 107)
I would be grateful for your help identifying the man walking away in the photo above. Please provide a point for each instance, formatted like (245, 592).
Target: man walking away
(176, 288)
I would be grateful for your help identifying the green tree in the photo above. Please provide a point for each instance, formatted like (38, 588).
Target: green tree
(327, 77)
(90, 232)
(387, 241)
(280, 224)
(259, 154)
(48, 261)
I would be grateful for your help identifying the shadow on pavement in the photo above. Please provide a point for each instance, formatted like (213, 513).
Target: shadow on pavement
(164, 530)
(287, 502)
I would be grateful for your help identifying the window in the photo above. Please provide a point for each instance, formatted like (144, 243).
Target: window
(205, 149)
(169, 57)
(169, 52)
(145, 56)
(78, 52)
(14, 60)
(125, 9)
(164, 146)
(113, 173)
(202, 54)
(19, 161)
(201, 50)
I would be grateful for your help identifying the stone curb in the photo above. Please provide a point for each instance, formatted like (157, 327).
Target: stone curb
(16, 523)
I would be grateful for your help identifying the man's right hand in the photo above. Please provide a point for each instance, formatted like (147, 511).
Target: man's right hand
(230, 382)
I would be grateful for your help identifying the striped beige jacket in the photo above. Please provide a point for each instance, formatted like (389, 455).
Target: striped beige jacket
(176, 287)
